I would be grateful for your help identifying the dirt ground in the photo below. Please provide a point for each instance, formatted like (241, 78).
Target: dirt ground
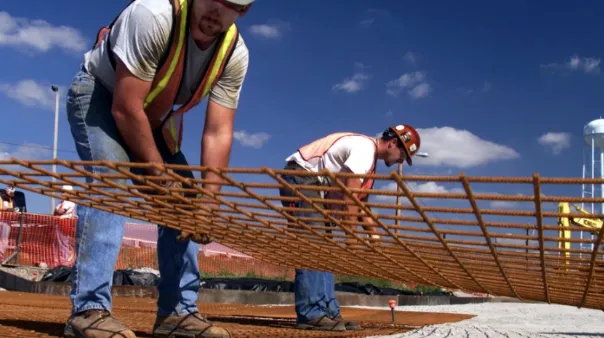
(36, 315)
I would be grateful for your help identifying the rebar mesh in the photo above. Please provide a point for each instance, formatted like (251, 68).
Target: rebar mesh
(459, 235)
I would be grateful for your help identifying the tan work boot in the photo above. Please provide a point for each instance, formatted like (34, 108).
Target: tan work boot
(322, 323)
(190, 326)
(96, 324)
(350, 325)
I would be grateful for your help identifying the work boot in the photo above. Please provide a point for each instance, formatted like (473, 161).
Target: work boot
(322, 323)
(96, 324)
(191, 326)
(350, 325)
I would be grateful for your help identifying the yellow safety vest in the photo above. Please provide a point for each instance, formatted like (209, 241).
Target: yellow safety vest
(161, 99)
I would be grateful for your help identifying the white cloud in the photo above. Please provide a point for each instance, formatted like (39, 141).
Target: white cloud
(507, 204)
(447, 146)
(254, 140)
(367, 22)
(414, 83)
(373, 14)
(352, 84)
(427, 187)
(25, 151)
(502, 204)
(411, 58)
(271, 30)
(515, 241)
(431, 187)
(31, 93)
(586, 64)
(356, 82)
(486, 86)
(39, 35)
(555, 142)
(421, 90)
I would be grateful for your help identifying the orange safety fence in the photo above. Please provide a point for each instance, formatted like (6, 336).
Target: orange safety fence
(51, 240)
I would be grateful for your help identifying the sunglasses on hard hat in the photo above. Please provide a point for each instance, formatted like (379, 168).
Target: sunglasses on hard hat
(240, 9)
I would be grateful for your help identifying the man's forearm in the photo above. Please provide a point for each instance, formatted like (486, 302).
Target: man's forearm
(216, 153)
(136, 132)
(372, 227)
(353, 211)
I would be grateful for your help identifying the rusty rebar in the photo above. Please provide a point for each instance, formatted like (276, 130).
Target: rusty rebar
(481, 248)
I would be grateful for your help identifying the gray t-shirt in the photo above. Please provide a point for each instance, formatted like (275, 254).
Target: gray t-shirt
(139, 39)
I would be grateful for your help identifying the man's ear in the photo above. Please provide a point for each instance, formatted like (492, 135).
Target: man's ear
(391, 143)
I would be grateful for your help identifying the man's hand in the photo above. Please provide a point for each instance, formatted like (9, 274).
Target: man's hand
(372, 229)
(216, 141)
(195, 237)
(172, 185)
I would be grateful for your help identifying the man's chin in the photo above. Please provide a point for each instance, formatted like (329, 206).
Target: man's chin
(210, 28)
(212, 33)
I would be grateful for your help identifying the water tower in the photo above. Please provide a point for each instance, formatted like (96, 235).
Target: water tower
(593, 165)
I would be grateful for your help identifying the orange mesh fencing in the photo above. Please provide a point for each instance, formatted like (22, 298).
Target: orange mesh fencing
(51, 240)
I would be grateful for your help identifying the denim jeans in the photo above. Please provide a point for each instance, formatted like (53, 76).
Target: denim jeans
(314, 291)
(99, 233)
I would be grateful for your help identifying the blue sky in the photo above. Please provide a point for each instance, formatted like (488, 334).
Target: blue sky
(496, 88)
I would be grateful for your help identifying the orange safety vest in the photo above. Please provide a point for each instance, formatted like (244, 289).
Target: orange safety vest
(318, 148)
(160, 101)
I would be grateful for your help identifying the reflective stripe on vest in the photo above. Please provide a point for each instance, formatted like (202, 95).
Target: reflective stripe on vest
(314, 152)
(172, 123)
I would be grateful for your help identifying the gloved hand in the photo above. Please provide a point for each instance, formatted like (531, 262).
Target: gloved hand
(374, 239)
(195, 237)
(171, 184)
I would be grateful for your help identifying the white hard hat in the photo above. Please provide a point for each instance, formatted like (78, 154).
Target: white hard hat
(67, 187)
(9, 189)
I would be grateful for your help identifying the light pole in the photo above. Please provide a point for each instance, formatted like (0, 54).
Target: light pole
(55, 89)
(397, 212)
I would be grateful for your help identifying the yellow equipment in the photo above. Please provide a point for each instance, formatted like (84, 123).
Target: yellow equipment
(593, 225)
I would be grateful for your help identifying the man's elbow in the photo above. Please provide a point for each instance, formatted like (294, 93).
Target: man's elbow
(221, 136)
(124, 115)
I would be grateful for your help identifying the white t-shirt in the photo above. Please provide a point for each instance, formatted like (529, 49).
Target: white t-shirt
(139, 38)
(69, 209)
(355, 152)
(7, 204)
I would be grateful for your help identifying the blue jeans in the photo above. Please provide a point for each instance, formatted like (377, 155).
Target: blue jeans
(99, 234)
(314, 291)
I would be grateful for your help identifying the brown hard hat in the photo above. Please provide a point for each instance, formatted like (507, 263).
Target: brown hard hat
(410, 139)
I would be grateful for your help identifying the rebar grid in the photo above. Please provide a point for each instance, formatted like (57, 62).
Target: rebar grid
(492, 245)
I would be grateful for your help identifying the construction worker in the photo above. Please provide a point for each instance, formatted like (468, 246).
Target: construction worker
(156, 55)
(316, 305)
(8, 199)
(66, 211)
(7, 205)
